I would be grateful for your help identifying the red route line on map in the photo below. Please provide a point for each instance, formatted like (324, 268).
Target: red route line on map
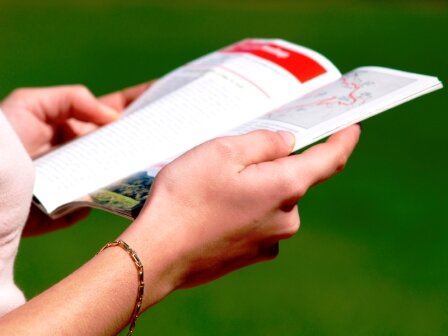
(331, 100)
(352, 95)
(233, 72)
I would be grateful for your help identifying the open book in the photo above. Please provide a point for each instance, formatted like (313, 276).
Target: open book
(253, 84)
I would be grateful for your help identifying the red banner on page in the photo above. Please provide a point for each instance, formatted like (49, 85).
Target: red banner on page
(301, 66)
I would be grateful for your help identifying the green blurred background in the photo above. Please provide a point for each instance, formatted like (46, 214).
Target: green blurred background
(371, 257)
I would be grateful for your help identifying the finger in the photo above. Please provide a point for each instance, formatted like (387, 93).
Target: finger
(72, 129)
(121, 99)
(77, 128)
(58, 104)
(254, 147)
(82, 105)
(292, 176)
(324, 160)
(40, 223)
(284, 224)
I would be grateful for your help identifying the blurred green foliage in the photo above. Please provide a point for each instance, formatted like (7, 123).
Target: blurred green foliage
(371, 257)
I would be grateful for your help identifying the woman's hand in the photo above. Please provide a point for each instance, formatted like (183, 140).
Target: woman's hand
(226, 204)
(47, 117)
(219, 207)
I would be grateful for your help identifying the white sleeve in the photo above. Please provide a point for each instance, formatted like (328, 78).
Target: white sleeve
(16, 184)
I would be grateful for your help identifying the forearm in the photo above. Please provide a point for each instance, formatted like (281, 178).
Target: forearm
(97, 299)
(196, 226)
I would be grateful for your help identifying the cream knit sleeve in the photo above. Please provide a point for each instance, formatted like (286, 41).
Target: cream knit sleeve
(16, 184)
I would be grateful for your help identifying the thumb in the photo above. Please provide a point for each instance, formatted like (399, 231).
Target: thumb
(263, 145)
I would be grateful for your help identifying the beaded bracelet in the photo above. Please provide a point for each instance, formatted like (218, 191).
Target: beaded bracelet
(141, 286)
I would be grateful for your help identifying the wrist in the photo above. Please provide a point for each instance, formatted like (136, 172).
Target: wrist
(158, 259)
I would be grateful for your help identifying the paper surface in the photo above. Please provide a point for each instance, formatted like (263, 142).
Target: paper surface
(199, 101)
(356, 96)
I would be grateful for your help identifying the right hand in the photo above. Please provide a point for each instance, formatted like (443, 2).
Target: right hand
(226, 204)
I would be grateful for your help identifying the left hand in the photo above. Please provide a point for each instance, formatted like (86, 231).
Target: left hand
(47, 117)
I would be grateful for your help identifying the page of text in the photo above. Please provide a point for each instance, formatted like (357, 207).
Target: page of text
(193, 104)
(358, 95)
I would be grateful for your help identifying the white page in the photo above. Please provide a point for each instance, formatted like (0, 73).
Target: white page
(358, 95)
(247, 68)
(198, 102)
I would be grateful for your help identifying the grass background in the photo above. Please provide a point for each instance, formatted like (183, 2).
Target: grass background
(371, 257)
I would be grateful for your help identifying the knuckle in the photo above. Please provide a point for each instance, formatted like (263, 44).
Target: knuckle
(340, 159)
(267, 135)
(300, 190)
(290, 184)
(223, 147)
(292, 226)
(79, 89)
(263, 132)
(293, 184)
(271, 138)
(21, 92)
(166, 173)
(165, 180)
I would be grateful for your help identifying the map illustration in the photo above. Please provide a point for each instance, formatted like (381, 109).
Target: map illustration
(352, 90)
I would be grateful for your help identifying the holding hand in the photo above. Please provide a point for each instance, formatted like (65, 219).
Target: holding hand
(219, 207)
(47, 117)
(226, 204)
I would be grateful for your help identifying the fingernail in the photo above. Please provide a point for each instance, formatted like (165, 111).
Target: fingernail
(113, 114)
(288, 138)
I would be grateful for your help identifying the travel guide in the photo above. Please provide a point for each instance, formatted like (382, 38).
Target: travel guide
(253, 84)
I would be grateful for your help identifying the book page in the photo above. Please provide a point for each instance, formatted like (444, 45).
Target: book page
(191, 105)
(356, 96)
(260, 63)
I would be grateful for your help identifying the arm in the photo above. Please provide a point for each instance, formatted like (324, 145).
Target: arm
(199, 223)
(16, 184)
